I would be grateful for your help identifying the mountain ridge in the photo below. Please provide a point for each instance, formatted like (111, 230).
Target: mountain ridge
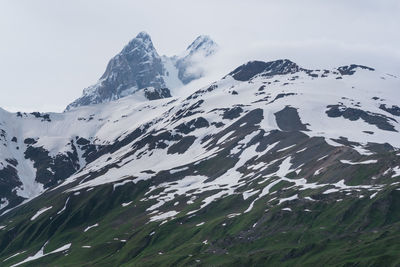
(33, 147)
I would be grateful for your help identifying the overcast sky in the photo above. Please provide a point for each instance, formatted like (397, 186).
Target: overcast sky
(51, 49)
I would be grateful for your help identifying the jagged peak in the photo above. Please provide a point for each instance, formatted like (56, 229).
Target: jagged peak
(137, 66)
(199, 41)
(142, 39)
(204, 43)
(143, 35)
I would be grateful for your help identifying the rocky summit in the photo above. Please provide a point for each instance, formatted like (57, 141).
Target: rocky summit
(273, 164)
(138, 66)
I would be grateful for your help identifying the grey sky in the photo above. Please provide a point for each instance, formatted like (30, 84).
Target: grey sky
(51, 49)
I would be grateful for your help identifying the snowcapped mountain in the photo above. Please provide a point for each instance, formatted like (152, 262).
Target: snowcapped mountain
(190, 63)
(263, 102)
(139, 66)
(273, 159)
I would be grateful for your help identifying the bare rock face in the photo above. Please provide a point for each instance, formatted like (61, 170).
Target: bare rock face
(137, 66)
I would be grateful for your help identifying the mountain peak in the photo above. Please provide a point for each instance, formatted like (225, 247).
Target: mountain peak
(143, 35)
(188, 65)
(143, 39)
(137, 66)
(203, 43)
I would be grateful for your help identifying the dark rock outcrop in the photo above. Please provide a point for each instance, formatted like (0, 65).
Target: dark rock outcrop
(253, 68)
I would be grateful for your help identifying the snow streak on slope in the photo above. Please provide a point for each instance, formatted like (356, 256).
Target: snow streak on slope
(41, 254)
(42, 210)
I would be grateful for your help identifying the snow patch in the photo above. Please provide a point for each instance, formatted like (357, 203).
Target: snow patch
(39, 212)
(396, 171)
(90, 227)
(288, 199)
(126, 204)
(163, 216)
(372, 161)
